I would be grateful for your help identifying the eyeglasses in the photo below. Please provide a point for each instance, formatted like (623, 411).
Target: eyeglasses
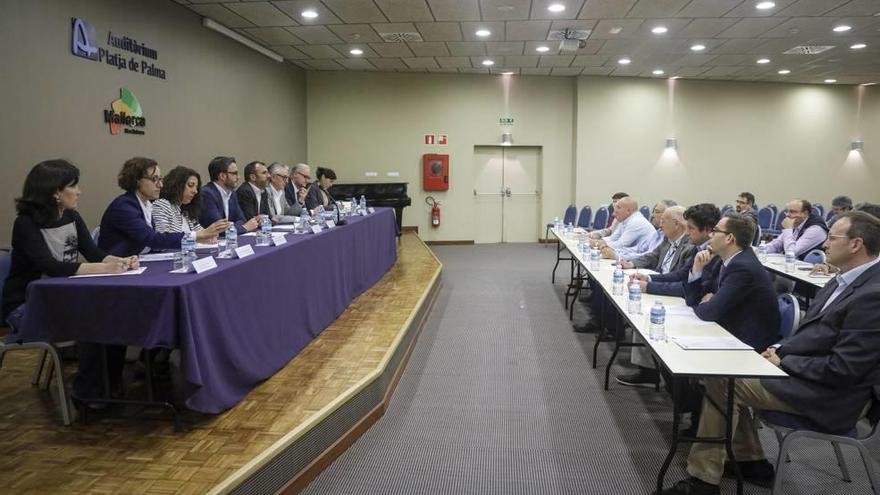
(154, 179)
(716, 230)
(832, 236)
(235, 172)
(304, 175)
(741, 202)
(285, 177)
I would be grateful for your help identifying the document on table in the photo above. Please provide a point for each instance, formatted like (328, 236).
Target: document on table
(685, 314)
(200, 245)
(156, 257)
(130, 272)
(711, 344)
(643, 271)
(285, 227)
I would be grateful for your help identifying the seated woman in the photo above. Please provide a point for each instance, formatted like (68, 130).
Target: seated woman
(318, 194)
(177, 209)
(48, 238)
(127, 224)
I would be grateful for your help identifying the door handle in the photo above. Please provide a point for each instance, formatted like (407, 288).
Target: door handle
(506, 191)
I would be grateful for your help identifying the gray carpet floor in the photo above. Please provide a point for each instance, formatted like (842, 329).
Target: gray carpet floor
(499, 396)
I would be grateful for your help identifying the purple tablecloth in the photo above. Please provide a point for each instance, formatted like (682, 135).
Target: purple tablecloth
(235, 325)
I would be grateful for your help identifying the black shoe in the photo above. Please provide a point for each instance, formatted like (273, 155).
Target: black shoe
(760, 473)
(588, 327)
(691, 486)
(645, 377)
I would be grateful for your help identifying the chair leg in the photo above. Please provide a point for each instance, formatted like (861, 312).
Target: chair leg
(38, 371)
(779, 439)
(841, 462)
(781, 463)
(869, 467)
(63, 400)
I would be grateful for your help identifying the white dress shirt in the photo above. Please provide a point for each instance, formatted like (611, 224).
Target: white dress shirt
(225, 195)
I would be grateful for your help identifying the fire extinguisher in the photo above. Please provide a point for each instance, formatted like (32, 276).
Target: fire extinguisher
(435, 211)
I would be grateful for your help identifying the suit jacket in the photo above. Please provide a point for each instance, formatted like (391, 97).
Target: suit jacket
(833, 358)
(247, 200)
(654, 259)
(212, 208)
(744, 302)
(314, 197)
(672, 283)
(289, 212)
(125, 231)
(290, 191)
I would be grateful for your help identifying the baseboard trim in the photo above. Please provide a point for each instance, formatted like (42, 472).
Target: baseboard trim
(450, 243)
(409, 228)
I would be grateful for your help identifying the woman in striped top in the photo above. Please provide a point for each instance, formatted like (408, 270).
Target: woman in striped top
(177, 209)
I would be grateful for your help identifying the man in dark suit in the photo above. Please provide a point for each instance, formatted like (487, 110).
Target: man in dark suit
(298, 188)
(252, 195)
(743, 300)
(219, 199)
(832, 359)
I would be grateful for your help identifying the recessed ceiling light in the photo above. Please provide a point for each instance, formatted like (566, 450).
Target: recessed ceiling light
(830, 81)
(624, 61)
(783, 72)
(615, 30)
(673, 78)
(309, 14)
(483, 33)
(858, 46)
(868, 84)
(488, 63)
(765, 5)
(556, 7)
(506, 8)
(841, 28)
(763, 61)
(698, 48)
(659, 30)
(507, 73)
(542, 49)
(657, 72)
(356, 51)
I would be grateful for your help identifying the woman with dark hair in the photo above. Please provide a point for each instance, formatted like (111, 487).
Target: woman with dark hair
(177, 209)
(319, 194)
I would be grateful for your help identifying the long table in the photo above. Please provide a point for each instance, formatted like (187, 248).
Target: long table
(726, 364)
(776, 263)
(235, 325)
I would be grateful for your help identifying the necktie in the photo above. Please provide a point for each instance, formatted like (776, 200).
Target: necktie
(667, 260)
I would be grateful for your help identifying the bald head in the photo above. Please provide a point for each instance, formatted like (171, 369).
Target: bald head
(624, 208)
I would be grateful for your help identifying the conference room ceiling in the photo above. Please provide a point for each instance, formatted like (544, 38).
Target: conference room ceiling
(735, 34)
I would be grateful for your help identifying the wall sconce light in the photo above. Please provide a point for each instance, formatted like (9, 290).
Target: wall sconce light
(671, 143)
(857, 145)
(507, 139)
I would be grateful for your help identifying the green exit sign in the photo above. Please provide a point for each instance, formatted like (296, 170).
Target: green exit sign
(506, 121)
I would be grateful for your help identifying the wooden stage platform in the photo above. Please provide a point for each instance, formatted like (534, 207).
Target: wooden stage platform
(276, 440)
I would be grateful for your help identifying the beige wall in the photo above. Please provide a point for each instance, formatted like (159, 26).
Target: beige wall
(376, 121)
(219, 98)
(778, 141)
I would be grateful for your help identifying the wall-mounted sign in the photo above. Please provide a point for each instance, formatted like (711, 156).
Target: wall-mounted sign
(430, 139)
(125, 115)
(442, 139)
(84, 44)
(506, 121)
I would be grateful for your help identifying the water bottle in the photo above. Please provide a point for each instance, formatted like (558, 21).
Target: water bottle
(618, 283)
(658, 322)
(363, 205)
(266, 230)
(594, 259)
(790, 258)
(584, 246)
(556, 224)
(188, 248)
(762, 252)
(635, 298)
(231, 237)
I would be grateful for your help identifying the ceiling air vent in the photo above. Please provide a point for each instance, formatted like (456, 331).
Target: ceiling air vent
(808, 50)
(400, 37)
(569, 34)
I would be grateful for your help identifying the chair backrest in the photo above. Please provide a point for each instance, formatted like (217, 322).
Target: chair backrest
(828, 216)
(765, 218)
(815, 256)
(95, 233)
(789, 314)
(601, 218)
(5, 266)
(585, 216)
(725, 209)
(779, 218)
(570, 214)
(817, 211)
(646, 212)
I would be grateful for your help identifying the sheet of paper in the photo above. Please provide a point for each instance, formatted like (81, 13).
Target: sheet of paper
(284, 228)
(130, 272)
(249, 234)
(200, 245)
(711, 343)
(684, 314)
(156, 257)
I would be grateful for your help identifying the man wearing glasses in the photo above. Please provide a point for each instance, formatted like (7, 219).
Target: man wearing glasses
(280, 209)
(806, 232)
(298, 187)
(218, 200)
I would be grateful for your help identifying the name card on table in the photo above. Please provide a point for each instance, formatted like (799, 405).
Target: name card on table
(370, 210)
(244, 251)
(202, 265)
(279, 239)
(316, 229)
(330, 224)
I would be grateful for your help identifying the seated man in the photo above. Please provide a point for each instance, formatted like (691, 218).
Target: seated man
(612, 223)
(743, 300)
(745, 205)
(219, 199)
(648, 244)
(840, 204)
(832, 359)
(252, 195)
(675, 252)
(701, 219)
(806, 231)
(280, 208)
(632, 227)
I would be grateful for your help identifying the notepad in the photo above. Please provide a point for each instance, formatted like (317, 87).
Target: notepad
(129, 272)
(711, 344)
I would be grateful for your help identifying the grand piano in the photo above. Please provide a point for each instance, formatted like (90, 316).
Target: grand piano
(389, 194)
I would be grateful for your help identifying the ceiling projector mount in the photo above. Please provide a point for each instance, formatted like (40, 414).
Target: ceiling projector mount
(570, 40)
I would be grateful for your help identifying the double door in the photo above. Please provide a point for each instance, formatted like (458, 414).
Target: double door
(506, 193)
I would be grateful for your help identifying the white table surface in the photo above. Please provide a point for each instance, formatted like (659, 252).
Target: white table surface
(776, 264)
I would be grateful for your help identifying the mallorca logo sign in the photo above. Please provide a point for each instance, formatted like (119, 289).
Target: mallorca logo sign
(125, 115)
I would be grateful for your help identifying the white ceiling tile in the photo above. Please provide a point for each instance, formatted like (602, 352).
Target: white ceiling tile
(578, 24)
(722, 70)
(356, 11)
(394, 27)
(392, 49)
(708, 8)
(606, 9)
(454, 62)
(589, 61)
(572, 8)
(500, 70)
(505, 10)
(446, 70)
(356, 33)
(495, 28)
(477, 62)
(320, 51)
(440, 31)
(605, 27)
(323, 64)
(626, 71)
(734, 60)
(745, 45)
(413, 70)
(315, 35)
(466, 48)
(649, 9)
(802, 27)
(566, 71)
(504, 48)
(405, 10)
(289, 52)
(295, 8)
(521, 60)
(455, 10)
(810, 7)
(857, 8)
(596, 71)
(420, 62)
(429, 49)
(535, 72)
(751, 27)
(693, 60)
(356, 64)
(673, 26)
(388, 63)
(222, 15)
(689, 71)
(747, 9)
(555, 61)
(619, 47)
(262, 14)
(473, 71)
(527, 30)
(706, 28)
(273, 35)
(346, 48)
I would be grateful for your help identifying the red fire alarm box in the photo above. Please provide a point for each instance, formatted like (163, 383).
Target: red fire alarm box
(435, 172)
